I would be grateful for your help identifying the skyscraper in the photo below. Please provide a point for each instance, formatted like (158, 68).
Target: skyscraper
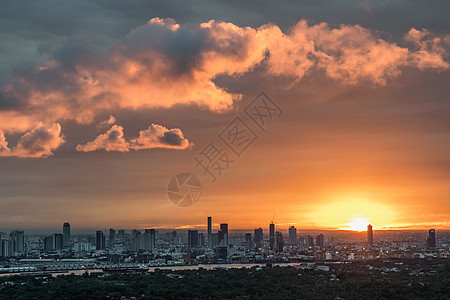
(17, 239)
(148, 240)
(248, 241)
(271, 235)
(279, 241)
(431, 240)
(66, 235)
(192, 238)
(58, 241)
(292, 236)
(319, 241)
(369, 236)
(100, 241)
(210, 244)
(223, 235)
(111, 238)
(259, 237)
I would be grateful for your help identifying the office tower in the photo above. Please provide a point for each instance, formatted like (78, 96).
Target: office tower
(66, 235)
(259, 237)
(223, 235)
(201, 239)
(210, 245)
(431, 240)
(57, 242)
(121, 235)
(279, 241)
(192, 238)
(248, 241)
(135, 240)
(6, 248)
(319, 241)
(17, 239)
(48, 243)
(292, 236)
(309, 241)
(369, 235)
(111, 238)
(271, 236)
(148, 240)
(215, 239)
(99, 241)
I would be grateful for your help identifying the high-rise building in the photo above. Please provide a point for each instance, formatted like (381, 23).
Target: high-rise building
(148, 240)
(210, 244)
(17, 239)
(111, 238)
(99, 240)
(223, 235)
(309, 241)
(248, 241)
(201, 240)
(369, 236)
(66, 234)
(431, 240)
(57, 241)
(192, 238)
(279, 241)
(320, 241)
(135, 240)
(271, 235)
(292, 236)
(259, 237)
(48, 243)
(6, 248)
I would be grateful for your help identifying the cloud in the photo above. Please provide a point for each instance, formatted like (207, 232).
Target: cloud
(106, 123)
(38, 143)
(162, 63)
(112, 140)
(156, 136)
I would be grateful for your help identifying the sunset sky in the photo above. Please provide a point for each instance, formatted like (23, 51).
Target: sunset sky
(102, 102)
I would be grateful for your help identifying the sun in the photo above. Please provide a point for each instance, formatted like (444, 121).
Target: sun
(356, 224)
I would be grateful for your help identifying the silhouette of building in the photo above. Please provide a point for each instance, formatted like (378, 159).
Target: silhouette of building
(66, 235)
(210, 242)
(121, 235)
(259, 237)
(320, 241)
(309, 241)
(248, 241)
(99, 241)
(369, 235)
(148, 240)
(279, 241)
(57, 242)
(271, 236)
(111, 238)
(135, 240)
(431, 240)
(193, 238)
(223, 235)
(17, 240)
(292, 236)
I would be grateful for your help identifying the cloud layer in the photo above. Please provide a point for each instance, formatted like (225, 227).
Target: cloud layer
(162, 63)
(156, 136)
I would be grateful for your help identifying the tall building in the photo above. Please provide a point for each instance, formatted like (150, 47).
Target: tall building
(17, 239)
(431, 240)
(6, 248)
(292, 236)
(57, 241)
(193, 238)
(66, 234)
(223, 235)
(279, 241)
(48, 243)
(210, 244)
(111, 238)
(369, 235)
(309, 241)
(148, 240)
(259, 237)
(271, 235)
(135, 240)
(319, 241)
(248, 241)
(99, 241)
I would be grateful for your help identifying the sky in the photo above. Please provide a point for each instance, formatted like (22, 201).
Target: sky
(102, 103)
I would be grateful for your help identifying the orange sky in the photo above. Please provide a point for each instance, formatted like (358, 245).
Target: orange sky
(91, 133)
